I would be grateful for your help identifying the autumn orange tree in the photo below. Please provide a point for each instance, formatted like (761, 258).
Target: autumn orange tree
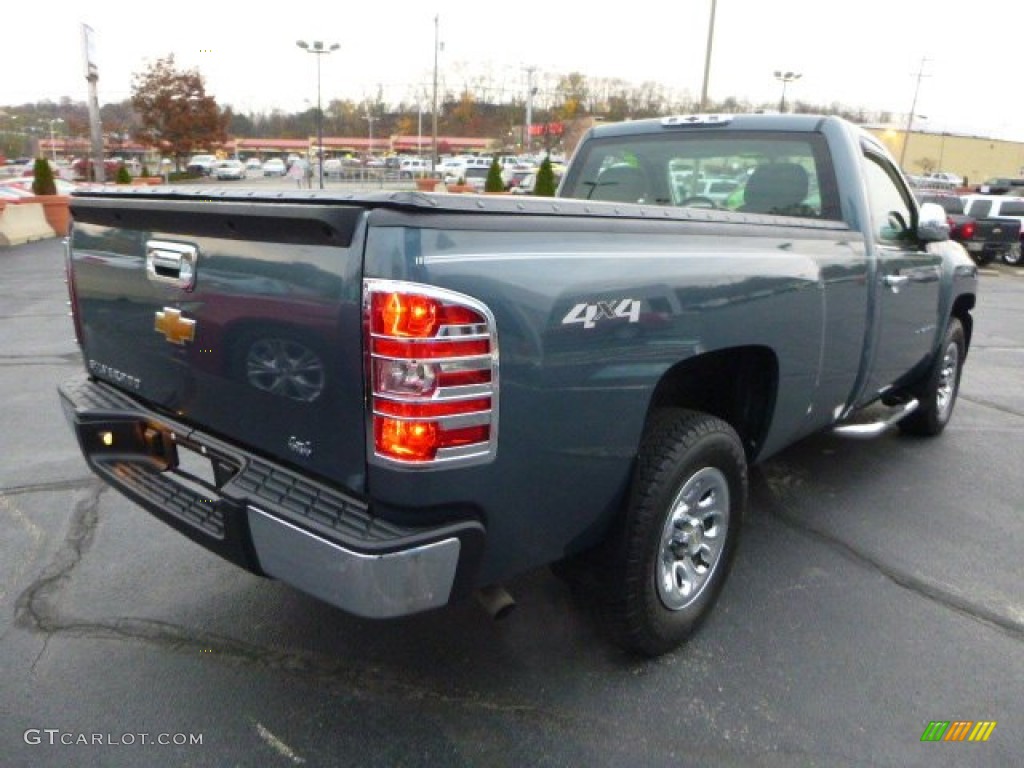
(176, 113)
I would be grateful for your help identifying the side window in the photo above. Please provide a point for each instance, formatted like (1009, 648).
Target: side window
(1011, 208)
(891, 215)
(979, 209)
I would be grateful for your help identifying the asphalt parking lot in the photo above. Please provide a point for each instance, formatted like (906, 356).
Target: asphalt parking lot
(878, 588)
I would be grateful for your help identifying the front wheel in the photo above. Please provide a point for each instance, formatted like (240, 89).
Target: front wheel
(680, 530)
(942, 386)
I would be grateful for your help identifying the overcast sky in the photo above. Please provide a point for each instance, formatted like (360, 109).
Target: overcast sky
(860, 54)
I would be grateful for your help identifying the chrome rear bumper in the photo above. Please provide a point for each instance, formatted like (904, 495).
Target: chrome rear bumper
(375, 586)
(267, 517)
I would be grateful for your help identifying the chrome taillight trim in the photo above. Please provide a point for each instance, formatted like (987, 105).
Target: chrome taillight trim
(451, 421)
(464, 455)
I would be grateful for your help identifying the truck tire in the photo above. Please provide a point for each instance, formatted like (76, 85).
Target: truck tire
(680, 530)
(1012, 255)
(940, 389)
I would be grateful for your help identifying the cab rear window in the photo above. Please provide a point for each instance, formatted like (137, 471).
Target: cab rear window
(784, 174)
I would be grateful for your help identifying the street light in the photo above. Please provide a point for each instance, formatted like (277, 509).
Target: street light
(369, 118)
(317, 47)
(433, 116)
(785, 78)
(53, 146)
(707, 58)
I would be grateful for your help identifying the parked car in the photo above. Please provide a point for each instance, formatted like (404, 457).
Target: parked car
(201, 164)
(1000, 186)
(274, 167)
(1001, 207)
(333, 166)
(985, 238)
(82, 168)
(716, 190)
(476, 177)
(229, 169)
(410, 167)
(253, 164)
(943, 179)
(639, 358)
(529, 182)
(456, 168)
(513, 177)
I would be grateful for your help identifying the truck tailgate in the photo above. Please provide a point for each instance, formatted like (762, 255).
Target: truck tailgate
(993, 232)
(242, 317)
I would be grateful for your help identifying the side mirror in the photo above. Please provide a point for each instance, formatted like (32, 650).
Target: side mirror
(932, 223)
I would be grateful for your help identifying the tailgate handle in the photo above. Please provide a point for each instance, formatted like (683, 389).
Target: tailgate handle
(173, 263)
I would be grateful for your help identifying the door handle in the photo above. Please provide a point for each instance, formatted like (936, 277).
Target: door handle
(895, 282)
(173, 263)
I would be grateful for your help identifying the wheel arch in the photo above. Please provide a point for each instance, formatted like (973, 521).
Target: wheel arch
(738, 385)
(962, 307)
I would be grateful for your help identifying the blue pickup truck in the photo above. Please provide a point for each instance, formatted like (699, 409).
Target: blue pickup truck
(397, 400)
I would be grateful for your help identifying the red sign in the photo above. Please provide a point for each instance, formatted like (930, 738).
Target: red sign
(547, 129)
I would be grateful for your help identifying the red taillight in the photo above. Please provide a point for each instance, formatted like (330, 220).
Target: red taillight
(432, 374)
(967, 230)
(404, 315)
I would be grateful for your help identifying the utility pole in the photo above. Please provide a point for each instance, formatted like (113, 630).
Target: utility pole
(910, 115)
(95, 127)
(530, 91)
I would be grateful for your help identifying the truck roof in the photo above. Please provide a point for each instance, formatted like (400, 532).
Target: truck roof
(750, 122)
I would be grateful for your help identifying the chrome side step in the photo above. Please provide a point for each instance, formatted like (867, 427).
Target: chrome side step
(887, 419)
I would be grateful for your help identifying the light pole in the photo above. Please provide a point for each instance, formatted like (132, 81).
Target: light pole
(419, 128)
(707, 58)
(53, 146)
(530, 93)
(433, 126)
(369, 118)
(785, 78)
(317, 47)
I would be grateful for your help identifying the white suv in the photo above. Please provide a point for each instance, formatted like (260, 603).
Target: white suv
(413, 166)
(998, 207)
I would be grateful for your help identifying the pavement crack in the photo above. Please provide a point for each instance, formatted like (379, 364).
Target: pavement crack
(42, 652)
(73, 484)
(35, 607)
(937, 593)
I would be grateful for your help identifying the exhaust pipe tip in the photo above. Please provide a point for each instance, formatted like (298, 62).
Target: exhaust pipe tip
(496, 601)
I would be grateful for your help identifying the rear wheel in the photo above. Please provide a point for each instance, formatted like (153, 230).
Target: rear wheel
(671, 556)
(1012, 255)
(938, 397)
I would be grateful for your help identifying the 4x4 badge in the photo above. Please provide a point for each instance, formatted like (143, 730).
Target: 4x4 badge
(175, 328)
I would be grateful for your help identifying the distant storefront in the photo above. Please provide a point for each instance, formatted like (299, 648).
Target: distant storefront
(973, 157)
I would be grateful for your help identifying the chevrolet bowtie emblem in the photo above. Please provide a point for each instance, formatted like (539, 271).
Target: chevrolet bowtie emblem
(175, 328)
